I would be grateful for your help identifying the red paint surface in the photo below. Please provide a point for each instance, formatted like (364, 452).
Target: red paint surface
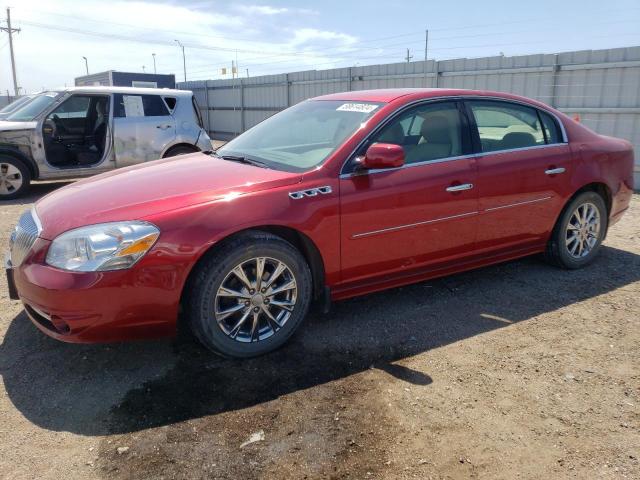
(197, 201)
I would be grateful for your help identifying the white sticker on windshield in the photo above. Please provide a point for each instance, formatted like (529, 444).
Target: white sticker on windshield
(357, 107)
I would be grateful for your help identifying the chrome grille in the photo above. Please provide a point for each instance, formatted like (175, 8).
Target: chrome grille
(24, 236)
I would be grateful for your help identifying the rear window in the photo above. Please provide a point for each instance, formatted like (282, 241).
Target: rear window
(127, 106)
(506, 126)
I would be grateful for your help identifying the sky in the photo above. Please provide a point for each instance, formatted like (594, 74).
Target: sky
(272, 36)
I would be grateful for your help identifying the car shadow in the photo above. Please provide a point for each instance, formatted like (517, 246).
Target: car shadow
(121, 388)
(35, 192)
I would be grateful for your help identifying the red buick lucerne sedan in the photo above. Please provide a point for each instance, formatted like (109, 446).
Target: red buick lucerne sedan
(338, 196)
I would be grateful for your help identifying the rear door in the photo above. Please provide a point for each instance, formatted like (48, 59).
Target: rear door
(143, 128)
(524, 165)
(425, 212)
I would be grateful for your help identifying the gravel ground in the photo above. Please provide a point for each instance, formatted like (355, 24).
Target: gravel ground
(519, 370)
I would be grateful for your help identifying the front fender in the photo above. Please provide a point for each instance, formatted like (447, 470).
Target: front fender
(189, 233)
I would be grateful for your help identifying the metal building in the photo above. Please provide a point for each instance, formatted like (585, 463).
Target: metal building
(112, 78)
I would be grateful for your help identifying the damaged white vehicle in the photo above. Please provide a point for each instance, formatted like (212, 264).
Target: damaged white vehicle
(84, 131)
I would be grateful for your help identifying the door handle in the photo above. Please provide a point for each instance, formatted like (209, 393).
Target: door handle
(555, 171)
(460, 188)
(163, 127)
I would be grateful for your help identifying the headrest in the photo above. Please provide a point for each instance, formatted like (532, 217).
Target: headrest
(395, 134)
(518, 140)
(436, 129)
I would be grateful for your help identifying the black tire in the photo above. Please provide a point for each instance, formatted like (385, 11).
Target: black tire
(558, 252)
(208, 276)
(8, 190)
(179, 150)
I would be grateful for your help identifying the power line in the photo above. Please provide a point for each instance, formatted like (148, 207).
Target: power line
(343, 52)
(349, 50)
(262, 53)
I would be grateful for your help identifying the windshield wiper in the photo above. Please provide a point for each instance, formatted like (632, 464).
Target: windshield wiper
(242, 159)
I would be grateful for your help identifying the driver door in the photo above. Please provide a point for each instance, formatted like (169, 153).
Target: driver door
(419, 215)
(70, 137)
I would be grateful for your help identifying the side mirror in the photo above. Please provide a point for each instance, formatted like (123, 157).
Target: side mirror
(383, 155)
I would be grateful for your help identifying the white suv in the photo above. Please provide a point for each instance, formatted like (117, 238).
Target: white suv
(83, 131)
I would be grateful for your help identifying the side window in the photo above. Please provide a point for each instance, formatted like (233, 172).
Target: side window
(171, 103)
(427, 132)
(127, 106)
(505, 126)
(154, 106)
(551, 128)
(76, 106)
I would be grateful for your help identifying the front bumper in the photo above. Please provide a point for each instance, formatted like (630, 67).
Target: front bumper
(91, 307)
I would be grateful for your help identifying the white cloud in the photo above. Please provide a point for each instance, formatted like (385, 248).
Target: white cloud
(123, 35)
(306, 35)
(261, 9)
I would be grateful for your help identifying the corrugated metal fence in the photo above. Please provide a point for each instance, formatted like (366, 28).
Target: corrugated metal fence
(602, 86)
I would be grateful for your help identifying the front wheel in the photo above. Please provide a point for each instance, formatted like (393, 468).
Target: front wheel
(180, 150)
(14, 178)
(578, 235)
(249, 297)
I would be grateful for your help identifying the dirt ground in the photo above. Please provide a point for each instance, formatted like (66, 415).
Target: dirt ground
(515, 371)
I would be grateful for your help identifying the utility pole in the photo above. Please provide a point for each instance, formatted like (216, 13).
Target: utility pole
(426, 44)
(184, 60)
(154, 62)
(86, 64)
(426, 50)
(11, 31)
(408, 57)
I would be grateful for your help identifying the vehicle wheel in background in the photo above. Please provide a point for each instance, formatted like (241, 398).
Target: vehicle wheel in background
(578, 234)
(179, 150)
(15, 178)
(249, 297)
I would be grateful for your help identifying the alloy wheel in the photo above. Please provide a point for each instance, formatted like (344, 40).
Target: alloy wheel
(255, 299)
(10, 179)
(583, 230)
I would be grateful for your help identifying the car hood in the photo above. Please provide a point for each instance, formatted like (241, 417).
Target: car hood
(143, 190)
(7, 126)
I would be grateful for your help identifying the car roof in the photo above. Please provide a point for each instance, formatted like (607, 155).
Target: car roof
(130, 90)
(391, 94)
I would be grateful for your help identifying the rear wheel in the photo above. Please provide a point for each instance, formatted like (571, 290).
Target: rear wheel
(578, 235)
(14, 178)
(249, 297)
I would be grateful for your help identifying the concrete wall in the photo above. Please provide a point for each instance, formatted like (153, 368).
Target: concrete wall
(602, 86)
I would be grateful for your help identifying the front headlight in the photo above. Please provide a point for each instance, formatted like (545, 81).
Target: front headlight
(107, 246)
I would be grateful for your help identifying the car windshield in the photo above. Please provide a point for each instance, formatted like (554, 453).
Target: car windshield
(15, 105)
(33, 107)
(301, 137)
